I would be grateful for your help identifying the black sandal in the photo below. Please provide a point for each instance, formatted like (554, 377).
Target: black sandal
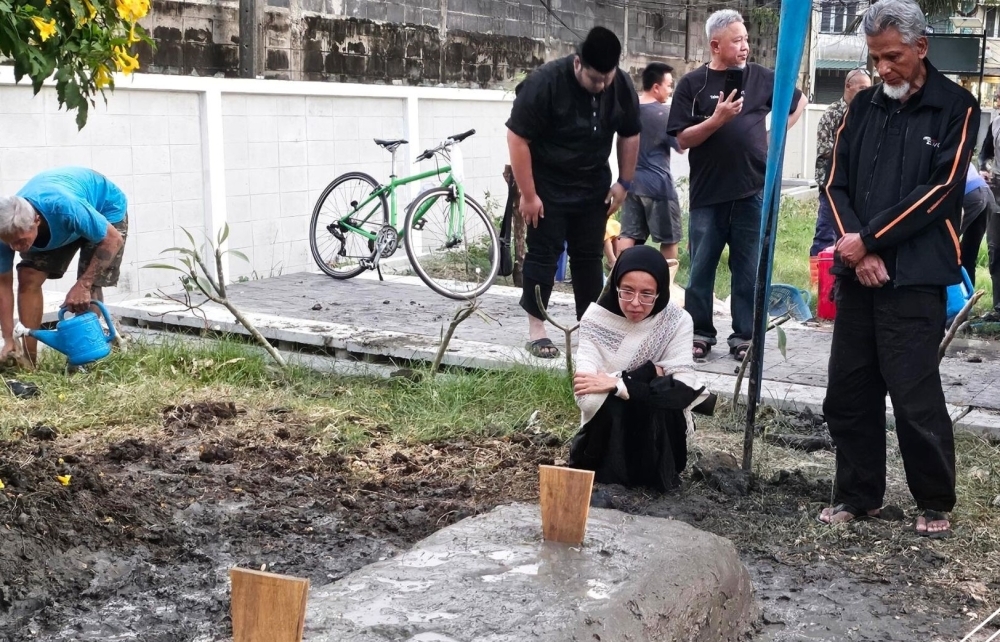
(700, 349)
(739, 351)
(844, 508)
(933, 516)
(542, 348)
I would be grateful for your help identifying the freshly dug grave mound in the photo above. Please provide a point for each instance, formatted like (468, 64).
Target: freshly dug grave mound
(491, 577)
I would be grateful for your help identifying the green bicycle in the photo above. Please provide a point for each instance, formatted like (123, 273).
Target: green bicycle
(450, 241)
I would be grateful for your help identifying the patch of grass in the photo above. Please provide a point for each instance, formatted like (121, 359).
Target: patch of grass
(796, 225)
(457, 404)
(130, 389)
(127, 392)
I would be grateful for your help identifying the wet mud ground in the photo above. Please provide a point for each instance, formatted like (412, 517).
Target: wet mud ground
(137, 546)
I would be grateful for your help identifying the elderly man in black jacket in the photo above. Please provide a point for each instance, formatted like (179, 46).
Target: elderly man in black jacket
(896, 187)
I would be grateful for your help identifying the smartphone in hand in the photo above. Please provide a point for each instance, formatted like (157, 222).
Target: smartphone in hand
(734, 81)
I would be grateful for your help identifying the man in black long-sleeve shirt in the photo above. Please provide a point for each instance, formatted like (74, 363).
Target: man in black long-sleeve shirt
(895, 189)
(988, 160)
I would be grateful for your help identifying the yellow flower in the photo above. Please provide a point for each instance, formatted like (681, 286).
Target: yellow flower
(1, 484)
(102, 77)
(132, 38)
(125, 63)
(91, 12)
(132, 10)
(64, 479)
(45, 29)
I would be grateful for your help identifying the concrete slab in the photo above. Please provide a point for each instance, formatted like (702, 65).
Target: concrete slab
(491, 578)
(348, 339)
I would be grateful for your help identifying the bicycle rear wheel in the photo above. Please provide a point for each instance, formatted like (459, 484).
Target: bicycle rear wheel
(457, 254)
(340, 221)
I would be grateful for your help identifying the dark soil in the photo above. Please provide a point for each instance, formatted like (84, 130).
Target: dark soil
(139, 543)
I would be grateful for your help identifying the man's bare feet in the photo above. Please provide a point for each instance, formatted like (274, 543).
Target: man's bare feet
(842, 513)
(933, 524)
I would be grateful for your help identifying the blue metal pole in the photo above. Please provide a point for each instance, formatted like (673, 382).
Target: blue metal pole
(792, 33)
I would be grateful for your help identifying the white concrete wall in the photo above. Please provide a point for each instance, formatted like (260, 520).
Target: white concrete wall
(800, 149)
(147, 143)
(198, 153)
(280, 152)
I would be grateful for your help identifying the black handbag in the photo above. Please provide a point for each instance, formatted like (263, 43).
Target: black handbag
(506, 259)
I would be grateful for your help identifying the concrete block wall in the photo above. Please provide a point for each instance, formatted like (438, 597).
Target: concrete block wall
(281, 152)
(148, 144)
(201, 153)
(459, 43)
(483, 166)
(800, 149)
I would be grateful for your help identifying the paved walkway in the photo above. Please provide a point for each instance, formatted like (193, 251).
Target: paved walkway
(401, 318)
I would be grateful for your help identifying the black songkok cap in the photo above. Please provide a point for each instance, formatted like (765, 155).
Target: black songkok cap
(601, 50)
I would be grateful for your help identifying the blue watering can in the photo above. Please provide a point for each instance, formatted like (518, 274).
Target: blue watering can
(958, 294)
(81, 338)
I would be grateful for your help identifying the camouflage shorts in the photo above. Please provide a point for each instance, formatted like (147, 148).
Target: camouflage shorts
(55, 262)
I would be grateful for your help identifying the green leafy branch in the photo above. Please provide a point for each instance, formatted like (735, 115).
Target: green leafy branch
(75, 43)
(198, 277)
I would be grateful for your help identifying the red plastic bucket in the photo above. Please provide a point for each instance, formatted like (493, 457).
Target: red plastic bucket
(825, 306)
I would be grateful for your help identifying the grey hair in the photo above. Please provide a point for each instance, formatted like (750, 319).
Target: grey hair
(16, 215)
(720, 20)
(905, 16)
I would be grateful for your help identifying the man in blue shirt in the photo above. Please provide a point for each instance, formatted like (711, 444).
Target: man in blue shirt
(57, 213)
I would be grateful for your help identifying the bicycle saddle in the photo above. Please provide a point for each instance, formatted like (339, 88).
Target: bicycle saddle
(390, 145)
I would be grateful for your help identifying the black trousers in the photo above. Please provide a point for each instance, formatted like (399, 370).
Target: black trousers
(887, 339)
(979, 219)
(581, 228)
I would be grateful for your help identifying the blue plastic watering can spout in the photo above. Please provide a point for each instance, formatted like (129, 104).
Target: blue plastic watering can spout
(50, 338)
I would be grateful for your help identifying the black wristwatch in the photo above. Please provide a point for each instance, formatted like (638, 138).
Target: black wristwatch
(626, 184)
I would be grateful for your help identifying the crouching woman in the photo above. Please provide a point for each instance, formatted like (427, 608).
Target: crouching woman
(635, 382)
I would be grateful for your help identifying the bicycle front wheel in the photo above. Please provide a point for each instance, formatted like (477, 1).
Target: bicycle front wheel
(345, 220)
(456, 253)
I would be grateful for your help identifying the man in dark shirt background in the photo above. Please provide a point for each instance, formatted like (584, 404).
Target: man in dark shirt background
(564, 118)
(727, 137)
(652, 207)
(989, 169)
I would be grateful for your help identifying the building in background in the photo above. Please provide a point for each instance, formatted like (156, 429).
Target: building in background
(835, 48)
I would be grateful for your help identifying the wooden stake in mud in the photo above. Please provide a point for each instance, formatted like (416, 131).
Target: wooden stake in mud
(518, 229)
(267, 607)
(565, 500)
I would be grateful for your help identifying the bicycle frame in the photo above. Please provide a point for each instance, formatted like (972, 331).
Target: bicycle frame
(390, 191)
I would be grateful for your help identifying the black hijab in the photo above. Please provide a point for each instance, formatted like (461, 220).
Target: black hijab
(642, 258)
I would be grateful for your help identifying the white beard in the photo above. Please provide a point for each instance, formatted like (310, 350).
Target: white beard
(896, 92)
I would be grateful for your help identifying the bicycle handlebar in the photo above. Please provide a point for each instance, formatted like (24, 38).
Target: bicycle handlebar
(455, 138)
(458, 138)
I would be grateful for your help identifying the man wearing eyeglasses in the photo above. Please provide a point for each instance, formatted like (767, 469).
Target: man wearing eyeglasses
(727, 136)
(856, 80)
(560, 131)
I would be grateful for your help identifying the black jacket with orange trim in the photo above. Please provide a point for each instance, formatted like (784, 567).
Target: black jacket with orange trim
(898, 178)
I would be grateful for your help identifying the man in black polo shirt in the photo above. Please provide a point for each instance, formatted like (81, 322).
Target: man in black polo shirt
(727, 137)
(560, 130)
